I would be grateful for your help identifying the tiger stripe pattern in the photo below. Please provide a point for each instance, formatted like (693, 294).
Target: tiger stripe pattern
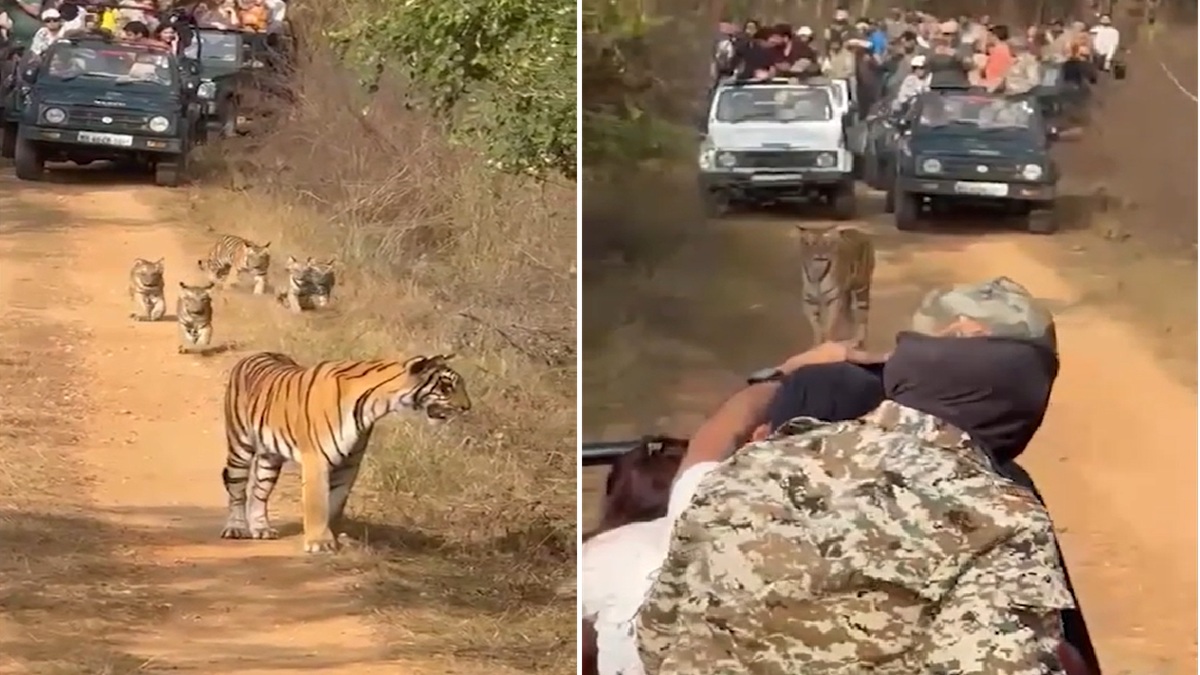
(193, 311)
(320, 417)
(309, 284)
(147, 290)
(232, 256)
(837, 265)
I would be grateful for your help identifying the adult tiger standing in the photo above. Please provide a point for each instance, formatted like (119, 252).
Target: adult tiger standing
(320, 417)
(837, 265)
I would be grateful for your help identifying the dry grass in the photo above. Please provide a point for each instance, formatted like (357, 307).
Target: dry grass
(436, 252)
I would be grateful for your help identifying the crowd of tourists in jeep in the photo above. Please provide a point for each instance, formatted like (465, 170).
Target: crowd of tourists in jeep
(909, 52)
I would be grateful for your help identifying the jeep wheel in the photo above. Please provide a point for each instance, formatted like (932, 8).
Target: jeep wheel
(716, 203)
(870, 173)
(8, 141)
(28, 159)
(907, 209)
(1042, 221)
(171, 174)
(844, 202)
(889, 200)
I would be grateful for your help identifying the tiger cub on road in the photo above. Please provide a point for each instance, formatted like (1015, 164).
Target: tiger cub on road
(310, 284)
(146, 290)
(233, 256)
(193, 310)
(837, 264)
(320, 417)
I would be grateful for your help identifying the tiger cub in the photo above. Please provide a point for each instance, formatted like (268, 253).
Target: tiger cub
(146, 290)
(193, 309)
(232, 257)
(320, 417)
(310, 284)
(837, 264)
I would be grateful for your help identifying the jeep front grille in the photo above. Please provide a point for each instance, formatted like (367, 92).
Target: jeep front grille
(968, 167)
(777, 159)
(121, 120)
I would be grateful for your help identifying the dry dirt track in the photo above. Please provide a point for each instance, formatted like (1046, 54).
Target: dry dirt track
(1116, 458)
(110, 491)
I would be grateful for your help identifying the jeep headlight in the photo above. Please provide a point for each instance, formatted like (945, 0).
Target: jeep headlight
(708, 159)
(54, 115)
(826, 160)
(931, 166)
(159, 124)
(1031, 172)
(207, 90)
(726, 160)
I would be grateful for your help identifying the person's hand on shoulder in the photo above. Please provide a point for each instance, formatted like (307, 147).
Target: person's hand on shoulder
(830, 352)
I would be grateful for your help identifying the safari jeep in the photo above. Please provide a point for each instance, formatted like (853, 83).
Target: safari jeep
(92, 98)
(957, 147)
(776, 140)
(229, 61)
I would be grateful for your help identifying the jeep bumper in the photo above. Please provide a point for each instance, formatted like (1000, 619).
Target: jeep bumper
(973, 189)
(102, 142)
(799, 181)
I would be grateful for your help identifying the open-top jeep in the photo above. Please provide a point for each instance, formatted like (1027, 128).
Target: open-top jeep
(961, 147)
(231, 64)
(776, 140)
(93, 98)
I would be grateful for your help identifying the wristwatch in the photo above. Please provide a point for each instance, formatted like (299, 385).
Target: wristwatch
(765, 375)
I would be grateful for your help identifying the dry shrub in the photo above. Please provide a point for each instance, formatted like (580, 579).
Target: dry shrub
(437, 252)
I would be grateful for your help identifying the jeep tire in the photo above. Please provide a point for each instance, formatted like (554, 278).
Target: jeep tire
(716, 203)
(8, 141)
(171, 172)
(907, 210)
(28, 160)
(844, 201)
(1042, 220)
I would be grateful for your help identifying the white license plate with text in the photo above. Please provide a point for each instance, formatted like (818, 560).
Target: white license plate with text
(981, 189)
(775, 177)
(117, 140)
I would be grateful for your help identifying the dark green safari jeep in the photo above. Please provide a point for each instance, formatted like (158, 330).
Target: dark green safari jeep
(91, 97)
(960, 147)
(226, 59)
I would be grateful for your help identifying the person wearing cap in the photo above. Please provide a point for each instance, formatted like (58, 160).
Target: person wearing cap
(50, 32)
(805, 59)
(1106, 39)
(891, 543)
(914, 84)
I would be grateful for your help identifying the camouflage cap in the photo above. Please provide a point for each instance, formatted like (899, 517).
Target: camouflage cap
(1005, 307)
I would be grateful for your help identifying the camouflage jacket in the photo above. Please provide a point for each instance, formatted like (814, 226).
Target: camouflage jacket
(885, 545)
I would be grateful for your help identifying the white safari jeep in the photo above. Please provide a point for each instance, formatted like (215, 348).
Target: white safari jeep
(776, 140)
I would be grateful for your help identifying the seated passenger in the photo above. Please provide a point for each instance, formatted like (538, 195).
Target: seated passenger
(914, 84)
(889, 543)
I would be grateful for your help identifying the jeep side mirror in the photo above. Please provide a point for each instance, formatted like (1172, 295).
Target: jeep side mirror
(1051, 134)
(903, 123)
(29, 75)
(193, 68)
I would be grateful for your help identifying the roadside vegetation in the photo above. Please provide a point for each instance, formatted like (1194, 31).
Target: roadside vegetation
(431, 152)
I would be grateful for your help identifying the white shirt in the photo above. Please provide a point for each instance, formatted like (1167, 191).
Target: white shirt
(276, 13)
(1105, 40)
(42, 39)
(618, 569)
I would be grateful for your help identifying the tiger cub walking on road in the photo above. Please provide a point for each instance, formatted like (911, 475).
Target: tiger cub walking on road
(837, 264)
(310, 284)
(146, 290)
(193, 311)
(320, 417)
(233, 256)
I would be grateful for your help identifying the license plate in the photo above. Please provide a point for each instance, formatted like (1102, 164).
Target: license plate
(775, 177)
(118, 140)
(982, 189)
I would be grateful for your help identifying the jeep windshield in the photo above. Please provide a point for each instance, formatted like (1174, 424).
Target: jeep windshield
(215, 46)
(114, 63)
(974, 114)
(774, 104)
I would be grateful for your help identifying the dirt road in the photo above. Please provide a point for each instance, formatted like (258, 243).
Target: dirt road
(110, 491)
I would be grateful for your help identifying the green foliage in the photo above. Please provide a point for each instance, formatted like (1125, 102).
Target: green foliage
(503, 70)
(619, 121)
